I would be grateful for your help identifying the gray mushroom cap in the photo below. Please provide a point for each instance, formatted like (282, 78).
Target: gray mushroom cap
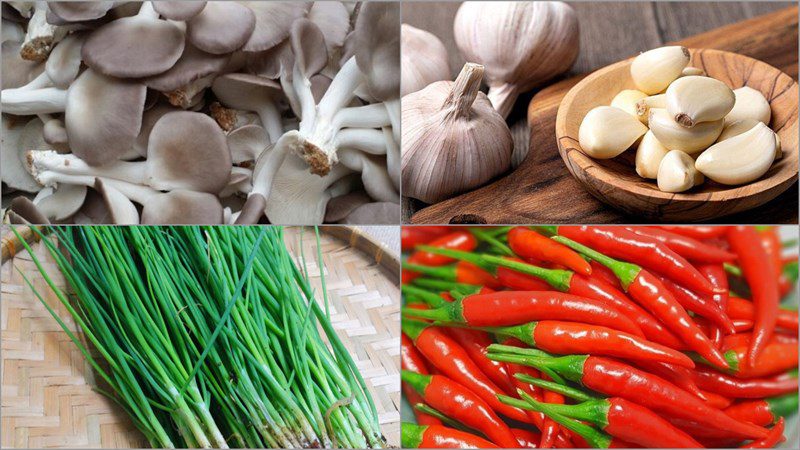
(62, 203)
(273, 22)
(103, 116)
(374, 213)
(17, 72)
(149, 120)
(80, 11)
(377, 48)
(134, 47)
(188, 150)
(183, 207)
(121, 210)
(192, 65)
(222, 27)
(25, 209)
(182, 11)
(12, 149)
(340, 207)
(64, 62)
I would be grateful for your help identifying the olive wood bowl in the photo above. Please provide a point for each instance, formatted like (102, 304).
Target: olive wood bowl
(615, 182)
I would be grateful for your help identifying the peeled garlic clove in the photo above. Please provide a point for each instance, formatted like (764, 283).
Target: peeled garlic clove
(626, 100)
(654, 70)
(695, 99)
(649, 155)
(740, 159)
(607, 131)
(750, 104)
(676, 137)
(692, 71)
(644, 105)
(677, 173)
(736, 128)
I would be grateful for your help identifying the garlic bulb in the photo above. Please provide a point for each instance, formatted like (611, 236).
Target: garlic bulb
(653, 70)
(453, 140)
(423, 59)
(649, 155)
(750, 104)
(522, 44)
(740, 159)
(627, 99)
(696, 99)
(605, 132)
(677, 173)
(677, 137)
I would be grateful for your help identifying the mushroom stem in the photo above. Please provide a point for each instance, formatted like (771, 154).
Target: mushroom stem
(376, 179)
(43, 164)
(393, 109)
(365, 139)
(25, 102)
(271, 121)
(375, 115)
(41, 36)
(340, 92)
(41, 81)
(393, 158)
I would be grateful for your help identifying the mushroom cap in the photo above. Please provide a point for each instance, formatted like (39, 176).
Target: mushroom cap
(273, 22)
(149, 119)
(252, 211)
(245, 91)
(183, 207)
(188, 150)
(25, 208)
(17, 72)
(64, 62)
(79, 11)
(247, 142)
(308, 45)
(120, 208)
(374, 213)
(192, 65)
(103, 116)
(270, 63)
(62, 203)
(333, 19)
(180, 11)
(134, 47)
(222, 27)
(340, 207)
(12, 149)
(377, 48)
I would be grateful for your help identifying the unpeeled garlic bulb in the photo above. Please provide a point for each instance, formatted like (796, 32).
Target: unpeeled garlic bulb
(605, 132)
(649, 154)
(740, 159)
(676, 137)
(653, 70)
(695, 99)
(521, 44)
(452, 139)
(677, 173)
(627, 99)
(423, 59)
(750, 104)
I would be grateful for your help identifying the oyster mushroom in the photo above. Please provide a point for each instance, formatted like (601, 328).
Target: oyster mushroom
(40, 36)
(82, 10)
(374, 213)
(26, 212)
(183, 207)
(181, 11)
(252, 93)
(17, 72)
(121, 209)
(273, 22)
(178, 83)
(222, 27)
(64, 63)
(247, 142)
(55, 134)
(62, 203)
(12, 150)
(333, 19)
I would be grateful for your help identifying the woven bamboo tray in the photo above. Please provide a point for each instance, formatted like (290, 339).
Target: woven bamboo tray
(47, 396)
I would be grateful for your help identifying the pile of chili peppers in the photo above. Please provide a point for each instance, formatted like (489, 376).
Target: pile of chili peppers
(598, 336)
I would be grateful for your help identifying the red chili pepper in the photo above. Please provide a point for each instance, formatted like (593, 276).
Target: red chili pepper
(517, 281)
(689, 248)
(771, 242)
(520, 307)
(459, 403)
(453, 361)
(739, 308)
(677, 375)
(776, 358)
(697, 232)
(412, 236)
(648, 290)
(458, 240)
(602, 272)
(566, 338)
(530, 244)
(715, 273)
(764, 412)
(617, 379)
(527, 438)
(760, 275)
(743, 340)
(461, 272)
(775, 437)
(617, 242)
(717, 401)
(705, 307)
(411, 360)
(710, 380)
(437, 436)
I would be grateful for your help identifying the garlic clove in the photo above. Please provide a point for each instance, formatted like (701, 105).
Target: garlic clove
(736, 128)
(649, 155)
(740, 159)
(695, 99)
(626, 100)
(677, 173)
(692, 71)
(676, 137)
(654, 70)
(750, 104)
(644, 106)
(606, 132)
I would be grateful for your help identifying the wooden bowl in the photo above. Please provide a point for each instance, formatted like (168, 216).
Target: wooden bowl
(615, 182)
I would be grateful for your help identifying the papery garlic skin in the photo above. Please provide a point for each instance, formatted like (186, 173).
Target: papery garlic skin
(676, 137)
(644, 106)
(654, 70)
(606, 132)
(740, 159)
(649, 154)
(627, 99)
(521, 44)
(695, 99)
(452, 138)
(423, 59)
(677, 173)
(750, 104)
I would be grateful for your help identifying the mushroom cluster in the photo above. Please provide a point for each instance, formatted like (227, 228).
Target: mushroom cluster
(219, 112)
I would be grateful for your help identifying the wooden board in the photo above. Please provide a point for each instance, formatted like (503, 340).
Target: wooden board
(541, 190)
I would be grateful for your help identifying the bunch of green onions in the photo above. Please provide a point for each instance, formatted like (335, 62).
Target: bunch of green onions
(210, 337)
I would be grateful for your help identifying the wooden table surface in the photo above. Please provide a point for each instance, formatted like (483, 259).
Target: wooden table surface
(609, 32)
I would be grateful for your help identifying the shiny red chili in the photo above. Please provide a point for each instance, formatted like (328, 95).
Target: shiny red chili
(412, 236)
(763, 412)
(775, 437)
(529, 244)
(697, 232)
(739, 308)
(437, 436)
(703, 306)
(710, 380)
(458, 240)
(690, 248)
(411, 360)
